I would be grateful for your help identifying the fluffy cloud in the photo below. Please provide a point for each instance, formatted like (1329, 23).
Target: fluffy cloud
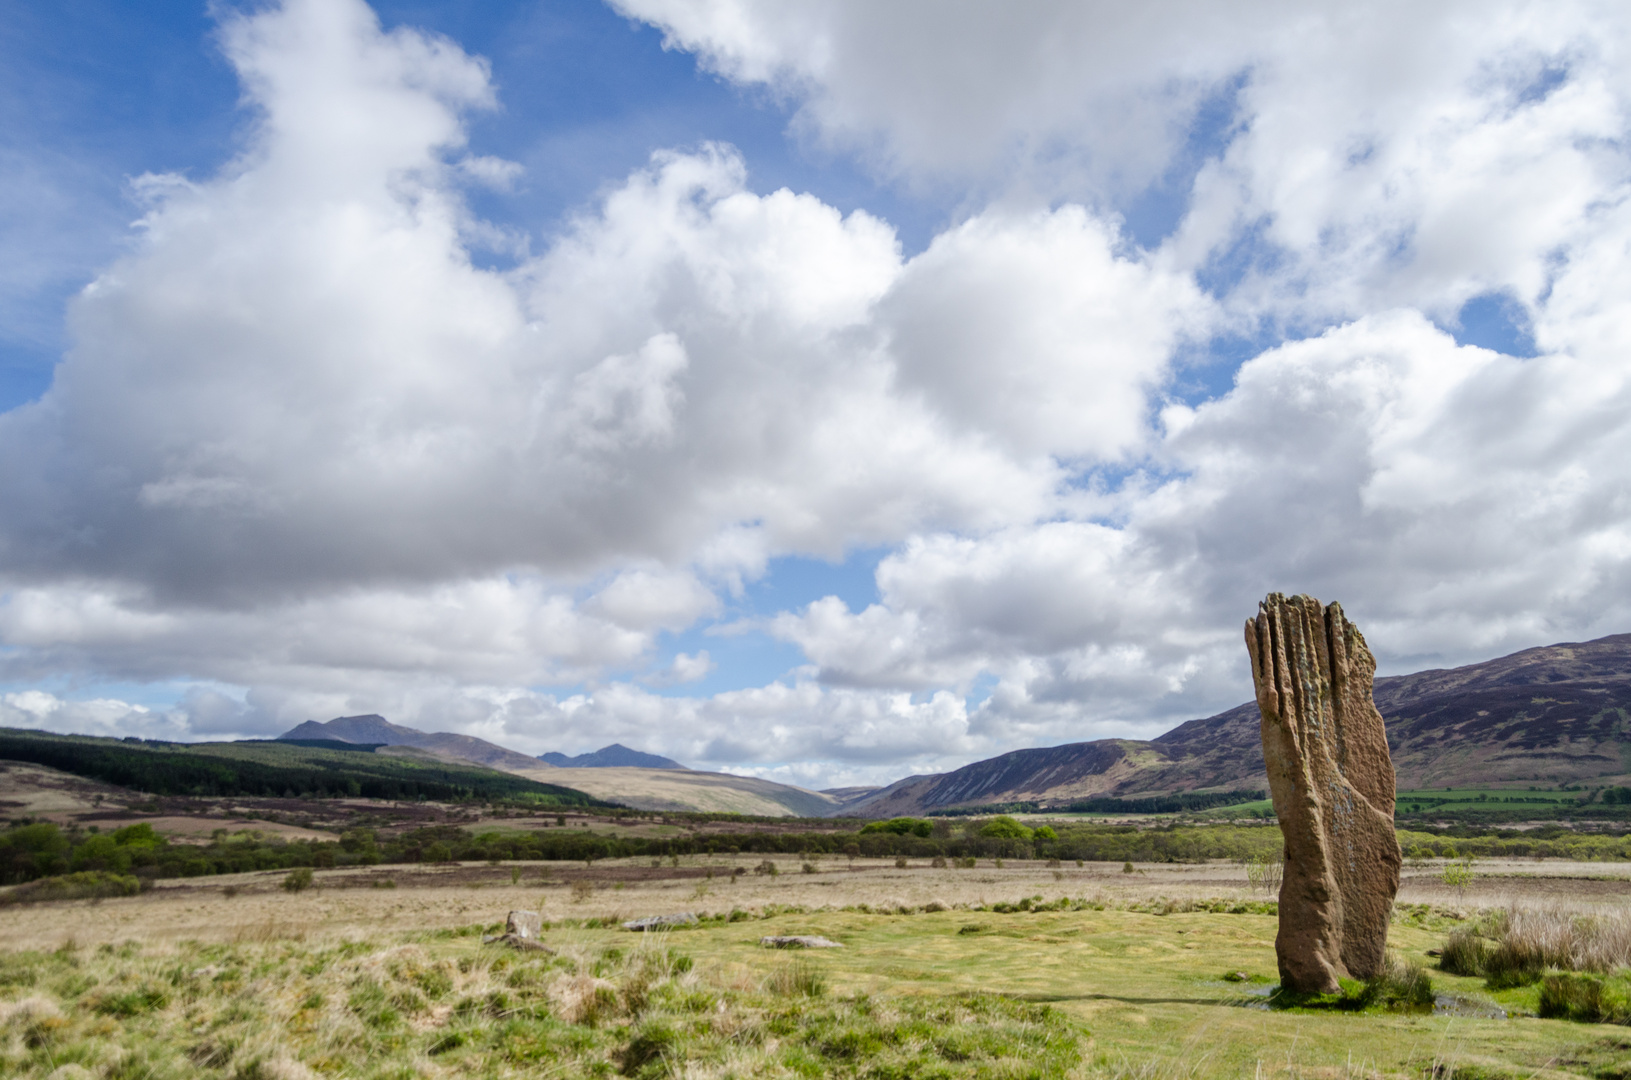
(1352, 157)
(309, 456)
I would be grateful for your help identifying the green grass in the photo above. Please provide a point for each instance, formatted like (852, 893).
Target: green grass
(1491, 798)
(1079, 989)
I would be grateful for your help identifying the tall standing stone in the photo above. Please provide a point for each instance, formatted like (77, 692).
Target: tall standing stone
(1332, 782)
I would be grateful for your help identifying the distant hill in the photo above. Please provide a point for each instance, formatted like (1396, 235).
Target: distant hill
(665, 786)
(380, 731)
(273, 769)
(1547, 716)
(611, 757)
(683, 789)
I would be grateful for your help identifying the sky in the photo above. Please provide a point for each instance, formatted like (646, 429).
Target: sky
(822, 391)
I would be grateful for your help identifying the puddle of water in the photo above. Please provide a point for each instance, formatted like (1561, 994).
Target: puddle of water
(1456, 1005)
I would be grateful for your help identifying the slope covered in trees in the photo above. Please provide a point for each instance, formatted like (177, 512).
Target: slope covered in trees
(273, 769)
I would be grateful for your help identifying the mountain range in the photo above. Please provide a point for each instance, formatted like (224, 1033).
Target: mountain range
(615, 773)
(611, 757)
(1557, 714)
(1546, 716)
(373, 728)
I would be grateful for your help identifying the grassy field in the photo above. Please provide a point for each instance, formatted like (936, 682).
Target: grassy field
(1133, 975)
(1541, 801)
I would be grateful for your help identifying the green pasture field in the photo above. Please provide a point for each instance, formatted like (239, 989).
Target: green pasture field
(1093, 992)
(1516, 797)
(1512, 802)
(1254, 809)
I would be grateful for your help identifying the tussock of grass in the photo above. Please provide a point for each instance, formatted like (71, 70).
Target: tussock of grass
(1590, 998)
(1518, 946)
(435, 1005)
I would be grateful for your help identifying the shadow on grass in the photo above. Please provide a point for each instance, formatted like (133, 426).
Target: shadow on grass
(1229, 1001)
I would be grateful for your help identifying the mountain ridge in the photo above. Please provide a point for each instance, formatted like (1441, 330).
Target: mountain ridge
(373, 728)
(613, 756)
(1550, 714)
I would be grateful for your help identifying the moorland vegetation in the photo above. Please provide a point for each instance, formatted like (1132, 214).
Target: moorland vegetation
(30, 851)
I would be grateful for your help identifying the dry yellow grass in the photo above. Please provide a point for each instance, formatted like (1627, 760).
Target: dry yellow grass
(197, 909)
(685, 789)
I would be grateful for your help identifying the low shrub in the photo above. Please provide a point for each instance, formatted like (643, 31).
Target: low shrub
(1465, 953)
(298, 880)
(85, 885)
(1592, 999)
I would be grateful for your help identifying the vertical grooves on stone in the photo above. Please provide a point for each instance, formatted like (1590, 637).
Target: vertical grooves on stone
(1326, 751)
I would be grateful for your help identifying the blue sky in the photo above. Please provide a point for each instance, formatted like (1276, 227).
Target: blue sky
(816, 390)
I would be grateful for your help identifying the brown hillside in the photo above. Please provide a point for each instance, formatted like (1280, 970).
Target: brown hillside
(1549, 715)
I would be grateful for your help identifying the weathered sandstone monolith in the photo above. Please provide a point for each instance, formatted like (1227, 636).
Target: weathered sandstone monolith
(1332, 783)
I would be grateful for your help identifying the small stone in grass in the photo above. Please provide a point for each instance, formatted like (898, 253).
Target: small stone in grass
(657, 922)
(799, 941)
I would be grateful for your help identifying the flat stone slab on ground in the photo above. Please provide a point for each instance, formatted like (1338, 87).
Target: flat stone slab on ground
(799, 941)
(657, 922)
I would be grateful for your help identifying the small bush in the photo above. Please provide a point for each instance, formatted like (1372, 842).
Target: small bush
(1588, 998)
(1264, 874)
(1003, 827)
(582, 890)
(298, 879)
(900, 862)
(938, 862)
(766, 868)
(1127, 868)
(966, 862)
(1465, 953)
(810, 868)
(1402, 984)
(1458, 875)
